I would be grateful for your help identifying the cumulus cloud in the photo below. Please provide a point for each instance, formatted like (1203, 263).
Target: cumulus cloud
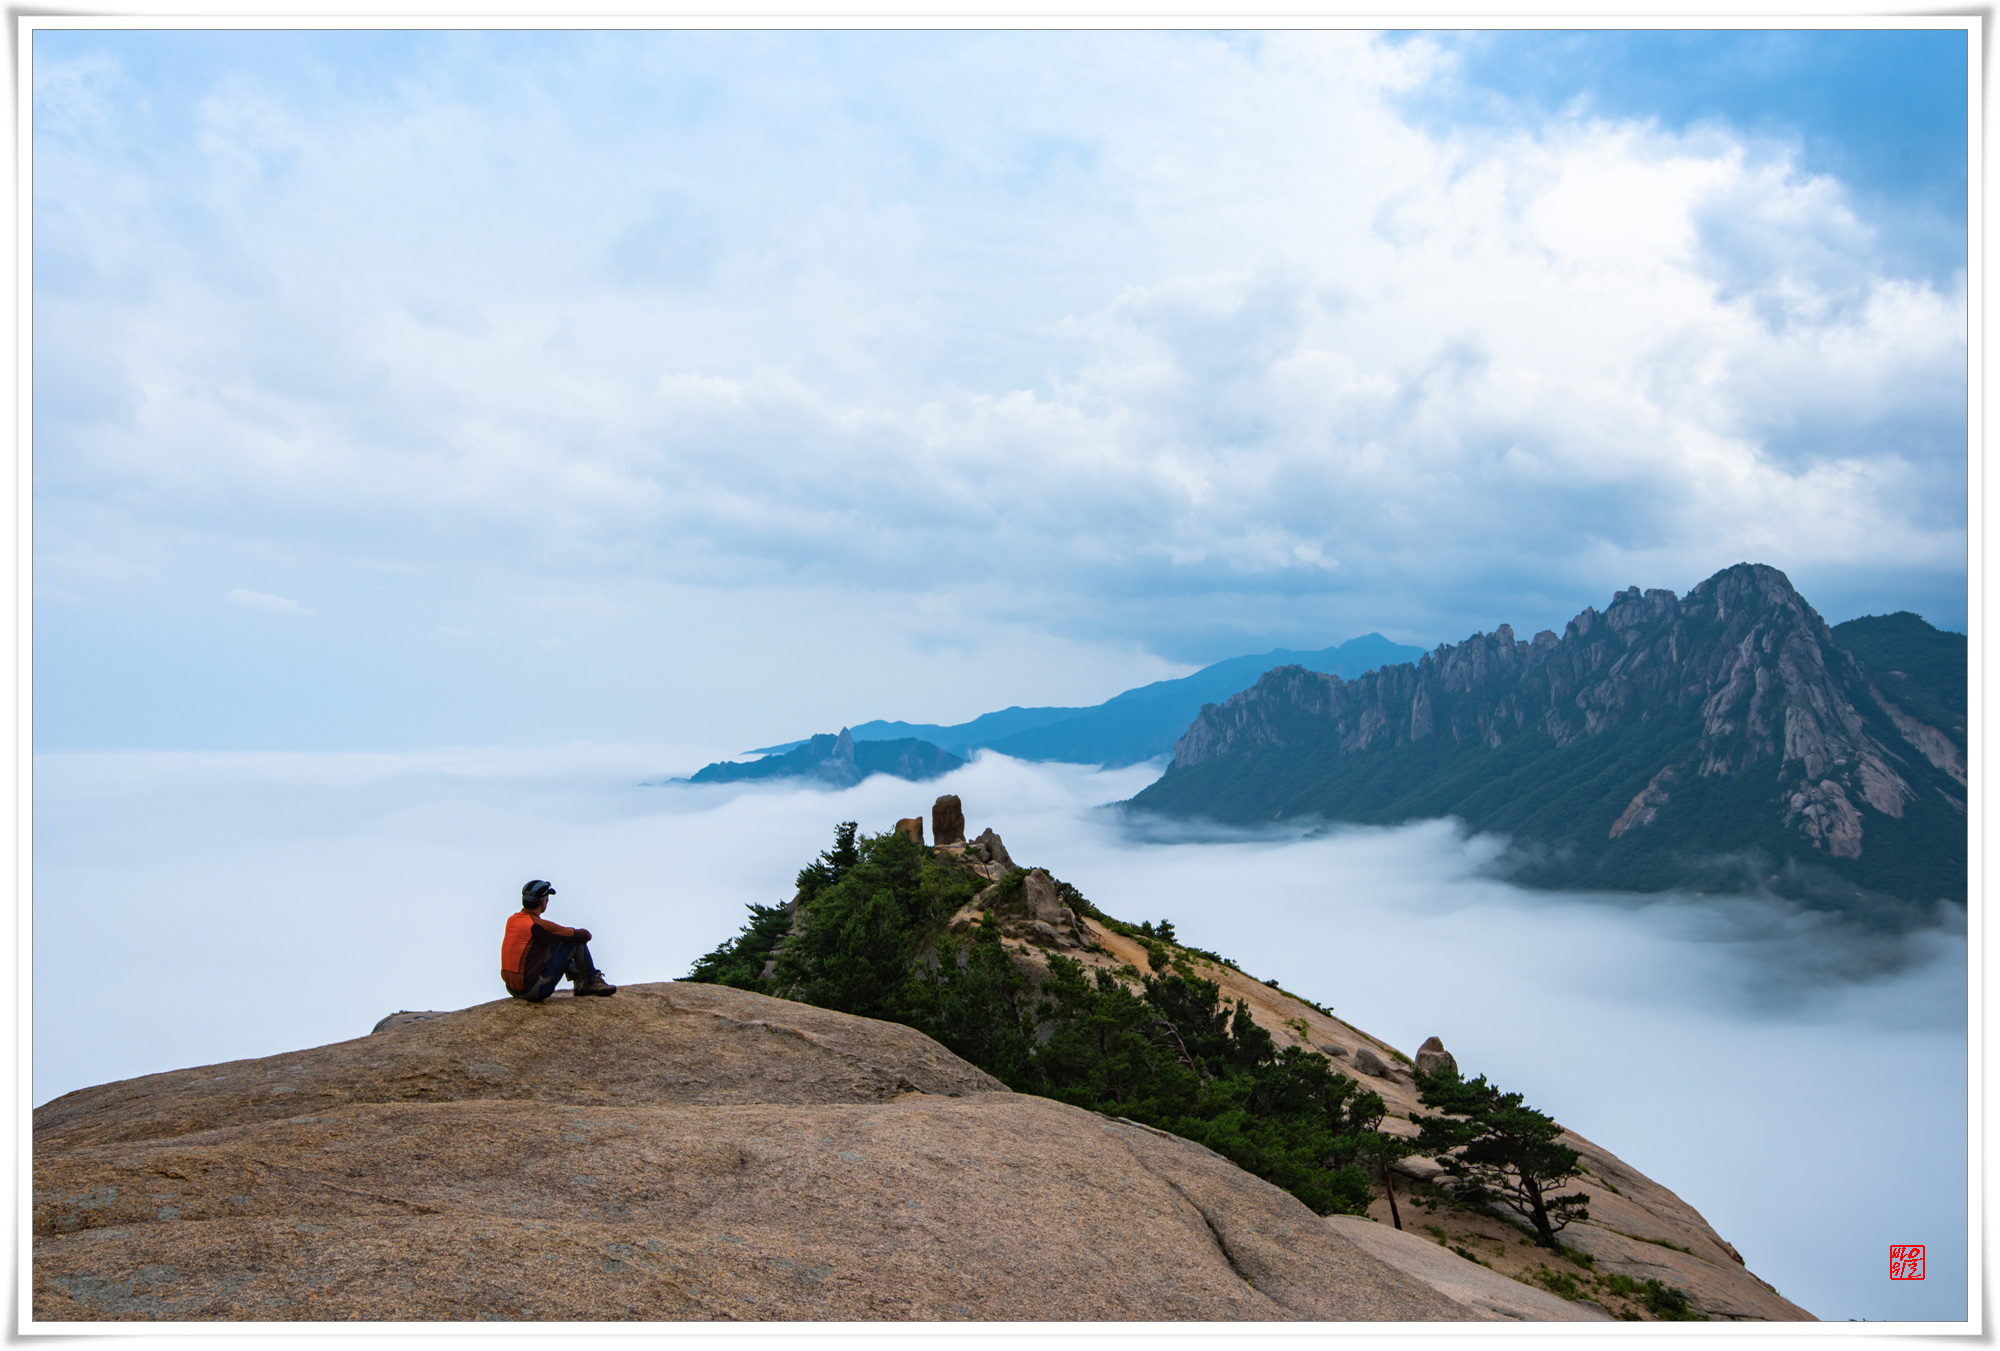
(1205, 342)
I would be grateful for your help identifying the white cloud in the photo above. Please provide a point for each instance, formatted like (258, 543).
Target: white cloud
(1205, 344)
(258, 600)
(1601, 1010)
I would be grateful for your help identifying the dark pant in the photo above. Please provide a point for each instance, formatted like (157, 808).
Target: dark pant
(566, 958)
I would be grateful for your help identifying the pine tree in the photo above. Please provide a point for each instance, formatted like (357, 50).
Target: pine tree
(1495, 1149)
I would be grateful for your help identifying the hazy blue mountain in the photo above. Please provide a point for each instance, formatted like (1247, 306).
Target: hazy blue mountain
(839, 761)
(1721, 741)
(981, 731)
(1140, 723)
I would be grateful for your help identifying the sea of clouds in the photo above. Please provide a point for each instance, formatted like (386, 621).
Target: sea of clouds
(1802, 1085)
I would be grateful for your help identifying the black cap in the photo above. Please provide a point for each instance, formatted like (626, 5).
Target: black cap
(535, 890)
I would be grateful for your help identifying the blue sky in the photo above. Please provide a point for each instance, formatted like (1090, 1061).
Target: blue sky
(400, 390)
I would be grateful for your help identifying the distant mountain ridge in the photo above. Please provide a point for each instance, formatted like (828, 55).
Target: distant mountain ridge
(1717, 741)
(840, 761)
(1136, 725)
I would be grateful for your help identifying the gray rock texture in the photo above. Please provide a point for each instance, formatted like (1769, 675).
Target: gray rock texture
(1432, 1057)
(1368, 1062)
(1763, 709)
(675, 1152)
(1637, 1226)
(1466, 1282)
(989, 849)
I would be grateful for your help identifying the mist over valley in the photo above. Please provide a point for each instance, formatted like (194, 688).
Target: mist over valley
(1687, 1034)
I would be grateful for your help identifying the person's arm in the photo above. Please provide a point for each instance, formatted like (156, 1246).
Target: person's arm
(555, 930)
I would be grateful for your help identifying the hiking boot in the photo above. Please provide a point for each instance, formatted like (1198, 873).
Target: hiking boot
(592, 984)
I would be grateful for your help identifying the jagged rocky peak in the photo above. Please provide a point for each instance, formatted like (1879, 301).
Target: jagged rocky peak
(986, 854)
(1740, 680)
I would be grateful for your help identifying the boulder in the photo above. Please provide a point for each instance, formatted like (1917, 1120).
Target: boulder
(1368, 1062)
(989, 848)
(911, 828)
(1432, 1056)
(1329, 1048)
(1045, 903)
(947, 821)
(679, 1152)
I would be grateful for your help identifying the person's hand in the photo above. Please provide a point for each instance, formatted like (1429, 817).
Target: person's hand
(583, 935)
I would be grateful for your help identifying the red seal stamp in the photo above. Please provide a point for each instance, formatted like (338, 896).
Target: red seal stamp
(1906, 1261)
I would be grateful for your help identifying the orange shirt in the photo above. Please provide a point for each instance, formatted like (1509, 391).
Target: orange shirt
(524, 947)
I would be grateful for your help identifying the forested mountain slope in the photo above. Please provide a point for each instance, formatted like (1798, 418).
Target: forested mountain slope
(1723, 741)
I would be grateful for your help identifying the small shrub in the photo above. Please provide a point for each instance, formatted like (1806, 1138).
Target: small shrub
(1559, 1283)
(1669, 1303)
(1469, 1255)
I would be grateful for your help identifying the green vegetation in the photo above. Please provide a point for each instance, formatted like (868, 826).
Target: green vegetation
(1923, 669)
(1501, 1152)
(1661, 1243)
(868, 935)
(1722, 833)
(1668, 1303)
(1558, 1283)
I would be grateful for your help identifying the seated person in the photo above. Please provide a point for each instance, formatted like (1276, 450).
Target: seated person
(536, 953)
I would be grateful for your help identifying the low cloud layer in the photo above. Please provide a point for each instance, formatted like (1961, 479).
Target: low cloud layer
(1800, 1084)
(1162, 346)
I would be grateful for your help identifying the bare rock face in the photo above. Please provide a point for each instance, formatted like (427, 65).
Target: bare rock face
(1044, 902)
(1767, 711)
(1467, 1282)
(1637, 1227)
(988, 857)
(1432, 1056)
(911, 828)
(988, 849)
(1035, 913)
(947, 821)
(676, 1152)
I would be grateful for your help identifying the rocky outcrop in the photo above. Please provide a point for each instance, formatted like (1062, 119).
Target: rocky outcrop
(911, 828)
(1638, 1228)
(1432, 1057)
(1032, 909)
(1646, 741)
(948, 820)
(988, 849)
(676, 1153)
